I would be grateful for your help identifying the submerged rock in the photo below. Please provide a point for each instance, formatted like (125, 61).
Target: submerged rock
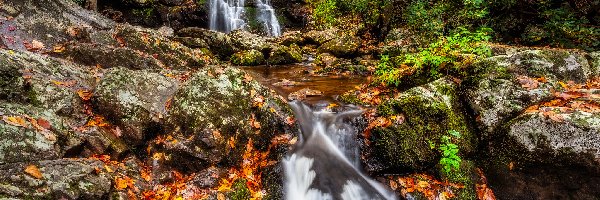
(303, 93)
(134, 100)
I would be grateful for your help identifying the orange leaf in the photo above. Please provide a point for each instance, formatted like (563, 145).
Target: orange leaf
(34, 171)
(15, 121)
(44, 123)
(85, 95)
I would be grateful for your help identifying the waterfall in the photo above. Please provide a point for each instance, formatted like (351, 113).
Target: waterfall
(266, 15)
(226, 15)
(324, 164)
(229, 15)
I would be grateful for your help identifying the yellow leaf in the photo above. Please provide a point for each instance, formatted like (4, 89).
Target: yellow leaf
(15, 121)
(33, 170)
(108, 169)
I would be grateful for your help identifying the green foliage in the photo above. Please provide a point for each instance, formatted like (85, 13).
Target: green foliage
(451, 53)
(450, 159)
(325, 13)
(562, 28)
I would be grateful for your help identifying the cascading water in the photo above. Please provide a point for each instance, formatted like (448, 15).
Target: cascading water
(266, 15)
(325, 162)
(226, 15)
(229, 15)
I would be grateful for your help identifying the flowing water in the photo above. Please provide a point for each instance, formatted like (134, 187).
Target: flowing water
(266, 16)
(229, 15)
(226, 15)
(325, 161)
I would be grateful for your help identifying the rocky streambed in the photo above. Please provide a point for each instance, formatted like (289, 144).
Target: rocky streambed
(95, 109)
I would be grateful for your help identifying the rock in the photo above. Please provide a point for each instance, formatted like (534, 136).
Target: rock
(286, 83)
(496, 94)
(291, 37)
(108, 56)
(303, 93)
(576, 138)
(282, 55)
(59, 179)
(218, 106)
(399, 41)
(134, 100)
(208, 178)
(428, 112)
(247, 41)
(344, 46)
(219, 43)
(52, 22)
(41, 81)
(320, 37)
(151, 43)
(248, 58)
(326, 60)
(594, 60)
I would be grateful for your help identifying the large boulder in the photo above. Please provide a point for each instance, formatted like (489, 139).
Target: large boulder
(570, 136)
(321, 37)
(134, 100)
(505, 85)
(218, 111)
(282, 55)
(345, 46)
(423, 116)
(54, 179)
(49, 22)
(219, 43)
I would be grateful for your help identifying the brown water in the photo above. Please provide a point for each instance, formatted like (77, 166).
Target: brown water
(331, 86)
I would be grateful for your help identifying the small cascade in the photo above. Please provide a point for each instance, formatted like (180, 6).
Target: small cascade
(325, 161)
(226, 15)
(266, 16)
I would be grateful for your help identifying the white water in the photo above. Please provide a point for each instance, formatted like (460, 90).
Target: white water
(325, 162)
(226, 15)
(266, 15)
(229, 15)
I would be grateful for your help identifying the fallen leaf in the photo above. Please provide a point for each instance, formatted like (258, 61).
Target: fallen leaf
(34, 171)
(15, 121)
(84, 94)
(44, 123)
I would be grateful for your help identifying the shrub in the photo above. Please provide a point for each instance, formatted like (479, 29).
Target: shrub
(451, 53)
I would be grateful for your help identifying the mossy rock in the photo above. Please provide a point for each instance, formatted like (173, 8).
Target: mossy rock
(464, 175)
(344, 46)
(248, 58)
(220, 44)
(131, 99)
(217, 105)
(282, 55)
(60, 179)
(429, 111)
(495, 94)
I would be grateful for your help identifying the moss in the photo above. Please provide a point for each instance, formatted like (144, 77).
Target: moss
(429, 112)
(239, 190)
(248, 58)
(286, 55)
(465, 176)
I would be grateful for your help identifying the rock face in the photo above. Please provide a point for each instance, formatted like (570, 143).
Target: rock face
(65, 178)
(134, 100)
(497, 94)
(217, 106)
